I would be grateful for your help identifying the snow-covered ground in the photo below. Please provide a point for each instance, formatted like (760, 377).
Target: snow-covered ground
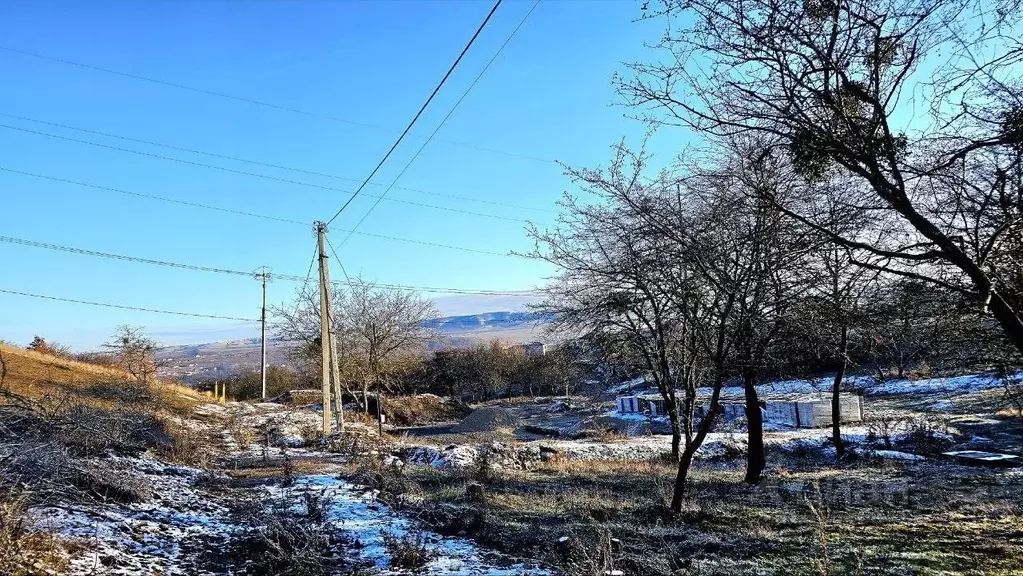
(868, 384)
(146, 537)
(872, 387)
(359, 514)
(185, 520)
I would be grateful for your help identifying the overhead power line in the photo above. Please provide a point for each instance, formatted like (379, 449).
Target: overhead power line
(253, 174)
(152, 196)
(442, 122)
(254, 101)
(251, 214)
(265, 164)
(134, 308)
(421, 110)
(211, 269)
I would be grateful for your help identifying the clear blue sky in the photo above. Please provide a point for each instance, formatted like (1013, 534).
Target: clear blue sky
(548, 96)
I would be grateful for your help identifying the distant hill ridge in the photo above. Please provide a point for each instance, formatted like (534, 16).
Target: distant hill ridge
(191, 362)
(488, 321)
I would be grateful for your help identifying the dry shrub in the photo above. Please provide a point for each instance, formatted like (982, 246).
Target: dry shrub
(44, 437)
(24, 551)
(410, 551)
(1012, 386)
(882, 426)
(482, 469)
(97, 359)
(926, 436)
(390, 481)
(596, 553)
(422, 409)
(283, 541)
(188, 445)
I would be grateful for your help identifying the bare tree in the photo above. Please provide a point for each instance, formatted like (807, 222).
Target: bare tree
(615, 285)
(134, 352)
(380, 332)
(838, 305)
(691, 271)
(830, 86)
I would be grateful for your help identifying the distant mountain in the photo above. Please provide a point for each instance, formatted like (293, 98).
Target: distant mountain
(487, 321)
(468, 304)
(193, 362)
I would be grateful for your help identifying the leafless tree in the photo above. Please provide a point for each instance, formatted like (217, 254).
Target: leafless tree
(615, 285)
(836, 317)
(380, 332)
(134, 352)
(832, 87)
(690, 270)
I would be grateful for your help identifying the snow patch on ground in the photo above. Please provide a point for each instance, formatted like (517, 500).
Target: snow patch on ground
(870, 386)
(357, 513)
(145, 537)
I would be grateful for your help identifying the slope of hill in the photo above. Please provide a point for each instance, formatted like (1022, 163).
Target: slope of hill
(193, 362)
(36, 375)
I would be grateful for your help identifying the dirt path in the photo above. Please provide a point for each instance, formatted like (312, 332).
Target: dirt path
(217, 521)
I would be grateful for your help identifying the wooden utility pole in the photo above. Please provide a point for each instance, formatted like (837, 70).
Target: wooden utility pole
(325, 348)
(335, 371)
(262, 337)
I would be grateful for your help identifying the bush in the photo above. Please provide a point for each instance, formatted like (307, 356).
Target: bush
(23, 551)
(96, 359)
(882, 426)
(248, 384)
(1013, 388)
(283, 541)
(408, 552)
(926, 437)
(595, 554)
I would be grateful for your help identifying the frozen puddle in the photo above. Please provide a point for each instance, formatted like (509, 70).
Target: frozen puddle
(358, 514)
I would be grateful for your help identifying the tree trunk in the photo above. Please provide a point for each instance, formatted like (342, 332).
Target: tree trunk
(681, 478)
(686, 460)
(676, 434)
(1011, 323)
(836, 398)
(755, 459)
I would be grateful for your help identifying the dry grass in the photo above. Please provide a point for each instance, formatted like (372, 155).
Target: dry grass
(35, 375)
(422, 409)
(807, 518)
(24, 551)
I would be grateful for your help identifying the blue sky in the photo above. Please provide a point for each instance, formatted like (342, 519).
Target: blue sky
(548, 96)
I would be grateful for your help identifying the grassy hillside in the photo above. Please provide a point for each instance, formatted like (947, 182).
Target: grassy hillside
(35, 375)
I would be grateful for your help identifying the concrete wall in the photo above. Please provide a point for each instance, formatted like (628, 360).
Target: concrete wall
(817, 413)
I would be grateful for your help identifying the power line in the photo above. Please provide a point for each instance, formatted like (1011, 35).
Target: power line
(338, 260)
(253, 101)
(151, 196)
(82, 251)
(251, 214)
(134, 308)
(418, 114)
(265, 164)
(253, 174)
(289, 277)
(441, 124)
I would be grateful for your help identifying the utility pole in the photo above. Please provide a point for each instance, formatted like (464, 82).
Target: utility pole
(262, 336)
(325, 339)
(335, 373)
